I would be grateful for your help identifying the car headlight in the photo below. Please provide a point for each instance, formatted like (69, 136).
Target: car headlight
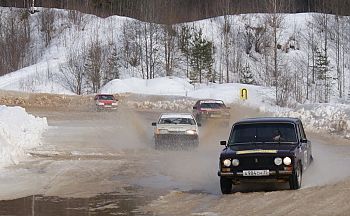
(227, 162)
(235, 162)
(278, 161)
(162, 131)
(115, 104)
(100, 104)
(287, 161)
(191, 132)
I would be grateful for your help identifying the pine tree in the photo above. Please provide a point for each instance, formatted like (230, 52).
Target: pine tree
(184, 45)
(201, 57)
(322, 75)
(113, 65)
(93, 65)
(246, 76)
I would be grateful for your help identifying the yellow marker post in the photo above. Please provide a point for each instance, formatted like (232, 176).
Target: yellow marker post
(244, 94)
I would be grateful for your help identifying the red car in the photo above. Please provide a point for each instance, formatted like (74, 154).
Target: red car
(106, 101)
(207, 109)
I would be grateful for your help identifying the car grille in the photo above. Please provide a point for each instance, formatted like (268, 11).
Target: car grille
(256, 162)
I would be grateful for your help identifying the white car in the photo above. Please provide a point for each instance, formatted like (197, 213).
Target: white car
(176, 130)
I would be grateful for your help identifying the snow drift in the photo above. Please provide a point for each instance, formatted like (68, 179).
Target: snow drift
(19, 131)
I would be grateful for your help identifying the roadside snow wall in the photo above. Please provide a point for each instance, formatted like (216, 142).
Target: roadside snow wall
(19, 131)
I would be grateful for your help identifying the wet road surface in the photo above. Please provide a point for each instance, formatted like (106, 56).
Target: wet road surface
(105, 164)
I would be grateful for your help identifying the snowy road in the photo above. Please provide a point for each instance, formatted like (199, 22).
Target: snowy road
(102, 163)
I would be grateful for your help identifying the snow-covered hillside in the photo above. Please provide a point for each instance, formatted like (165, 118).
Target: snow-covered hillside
(242, 53)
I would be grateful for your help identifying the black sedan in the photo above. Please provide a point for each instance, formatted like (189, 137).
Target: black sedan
(265, 149)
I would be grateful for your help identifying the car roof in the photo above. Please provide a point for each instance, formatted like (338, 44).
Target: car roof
(104, 95)
(176, 115)
(269, 120)
(211, 101)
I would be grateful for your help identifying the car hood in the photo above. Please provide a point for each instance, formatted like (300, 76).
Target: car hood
(266, 148)
(176, 127)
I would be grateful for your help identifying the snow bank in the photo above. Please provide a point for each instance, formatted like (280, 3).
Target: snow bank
(19, 131)
(258, 97)
(157, 86)
(174, 105)
(332, 118)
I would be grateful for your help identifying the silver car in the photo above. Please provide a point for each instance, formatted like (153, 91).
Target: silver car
(176, 130)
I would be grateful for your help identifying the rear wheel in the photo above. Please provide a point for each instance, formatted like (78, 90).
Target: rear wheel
(225, 185)
(295, 179)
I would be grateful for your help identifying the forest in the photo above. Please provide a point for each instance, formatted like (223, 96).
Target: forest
(177, 11)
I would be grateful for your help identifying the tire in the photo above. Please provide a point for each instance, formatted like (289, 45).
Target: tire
(296, 178)
(198, 119)
(225, 185)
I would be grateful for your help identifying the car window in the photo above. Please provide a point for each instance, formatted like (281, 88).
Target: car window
(302, 132)
(177, 121)
(271, 132)
(106, 97)
(212, 105)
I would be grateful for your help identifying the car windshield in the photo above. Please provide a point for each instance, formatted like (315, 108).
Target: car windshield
(177, 121)
(263, 132)
(106, 97)
(212, 105)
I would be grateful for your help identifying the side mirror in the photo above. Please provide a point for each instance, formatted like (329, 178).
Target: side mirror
(303, 140)
(194, 107)
(223, 143)
(199, 124)
(154, 124)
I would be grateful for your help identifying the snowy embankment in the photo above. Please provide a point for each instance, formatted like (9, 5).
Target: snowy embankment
(259, 97)
(19, 131)
(320, 118)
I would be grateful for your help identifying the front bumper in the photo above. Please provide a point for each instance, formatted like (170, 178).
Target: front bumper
(176, 139)
(274, 176)
(106, 107)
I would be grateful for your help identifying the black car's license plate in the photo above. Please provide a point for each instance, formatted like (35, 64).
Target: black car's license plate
(256, 172)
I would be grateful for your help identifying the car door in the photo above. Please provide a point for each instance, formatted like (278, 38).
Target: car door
(305, 146)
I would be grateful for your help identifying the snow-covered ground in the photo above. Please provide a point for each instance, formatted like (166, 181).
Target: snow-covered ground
(19, 131)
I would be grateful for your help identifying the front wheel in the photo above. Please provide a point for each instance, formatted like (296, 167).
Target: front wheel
(225, 185)
(295, 179)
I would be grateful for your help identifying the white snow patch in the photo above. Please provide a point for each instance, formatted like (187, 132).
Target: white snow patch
(19, 131)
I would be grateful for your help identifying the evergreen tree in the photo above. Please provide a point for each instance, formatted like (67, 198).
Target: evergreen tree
(322, 75)
(113, 65)
(184, 45)
(93, 65)
(246, 76)
(201, 58)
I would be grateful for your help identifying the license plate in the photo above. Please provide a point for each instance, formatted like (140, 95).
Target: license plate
(256, 172)
(108, 106)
